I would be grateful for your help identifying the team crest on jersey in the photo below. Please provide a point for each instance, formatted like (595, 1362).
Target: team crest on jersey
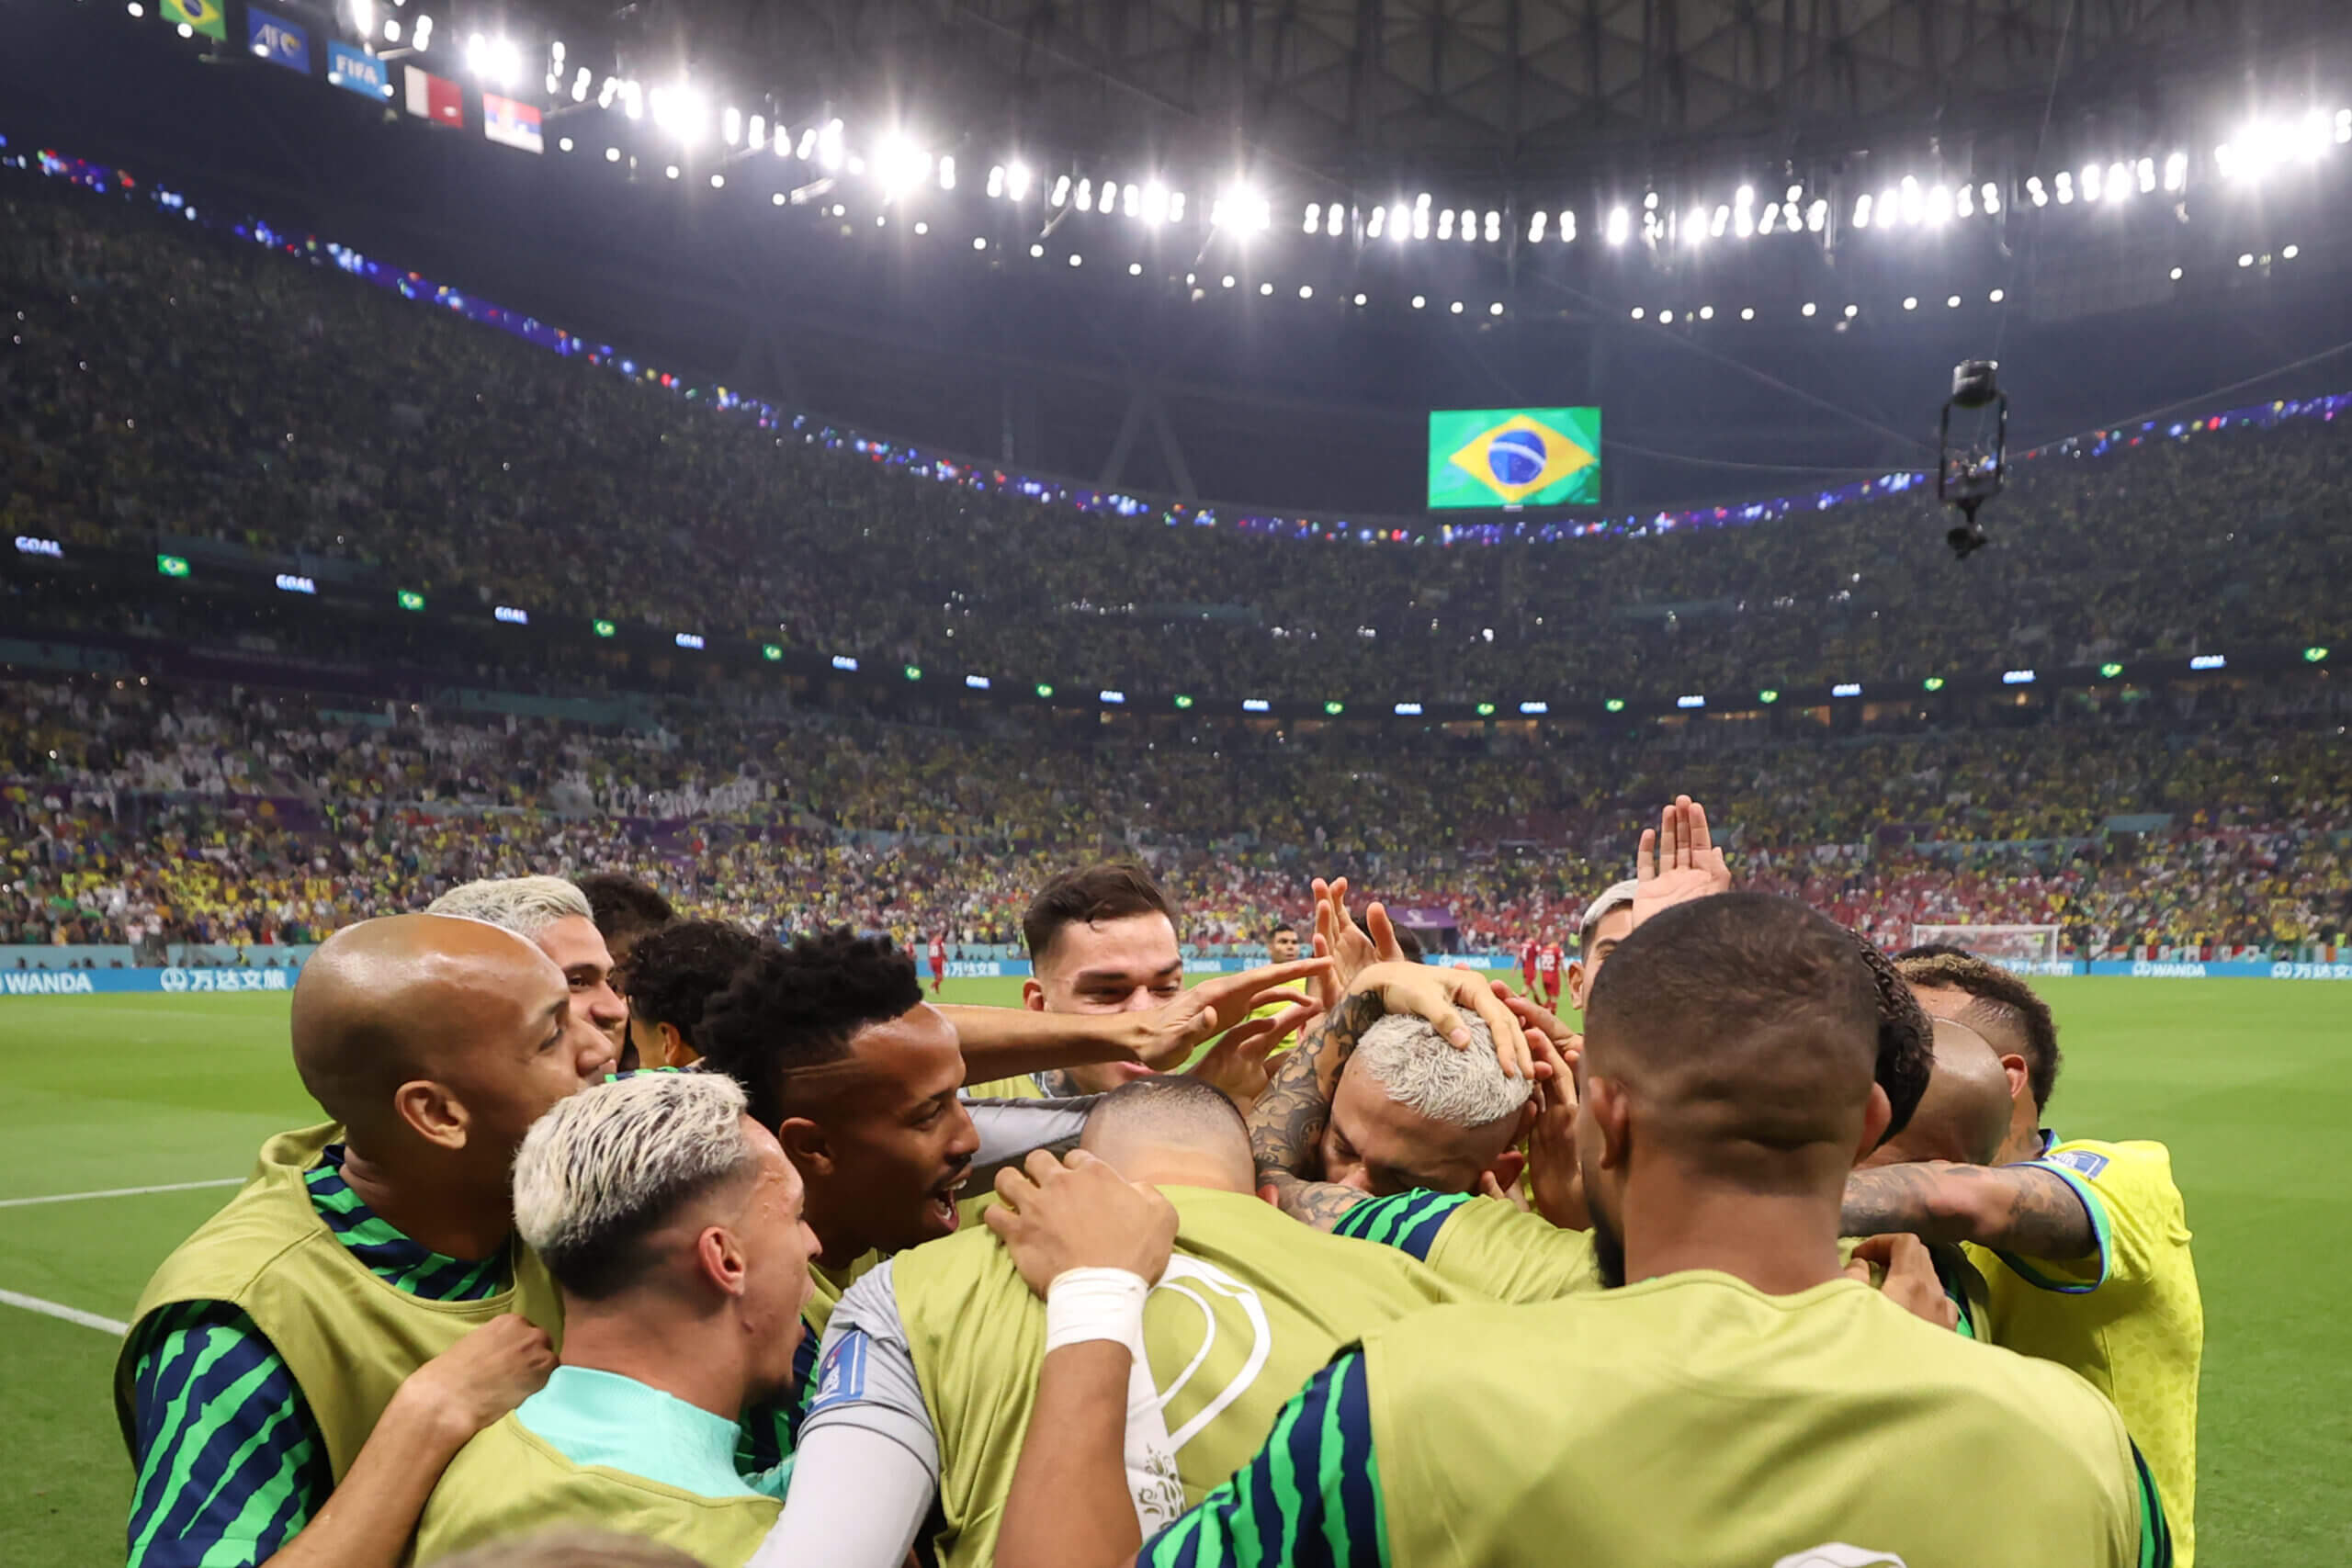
(1838, 1554)
(2081, 1160)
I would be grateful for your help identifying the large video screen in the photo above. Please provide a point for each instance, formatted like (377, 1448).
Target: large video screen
(1514, 457)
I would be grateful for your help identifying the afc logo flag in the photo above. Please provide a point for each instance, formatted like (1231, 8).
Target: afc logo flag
(278, 40)
(436, 99)
(1514, 457)
(355, 71)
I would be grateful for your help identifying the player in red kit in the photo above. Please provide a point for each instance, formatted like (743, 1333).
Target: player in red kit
(938, 960)
(1547, 973)
(1527, 952)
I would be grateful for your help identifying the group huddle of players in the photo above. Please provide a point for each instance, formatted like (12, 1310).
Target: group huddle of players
(639, 1240)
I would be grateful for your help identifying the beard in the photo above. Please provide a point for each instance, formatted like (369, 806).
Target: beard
(1609, 1249)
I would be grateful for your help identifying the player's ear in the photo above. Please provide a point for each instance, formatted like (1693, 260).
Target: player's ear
(1576, 984)
(1509, 1166)
(2020, 1076)
(676, 1051)
(1611, 1111)
(432, 1113)
(1875, 1117)
(1032, 996)
(720, 1256)
(805, 1142)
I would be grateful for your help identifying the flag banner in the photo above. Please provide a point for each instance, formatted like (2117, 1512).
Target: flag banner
(204, 15)
(510, 124)
(436, 99)
(355, 71)
(278, 40)
(1514, 457)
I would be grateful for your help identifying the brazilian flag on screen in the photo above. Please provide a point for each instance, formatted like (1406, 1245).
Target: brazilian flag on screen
(1514, 457)
(204, 15)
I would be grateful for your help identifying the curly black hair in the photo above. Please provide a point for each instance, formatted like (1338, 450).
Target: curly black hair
(1906, 1037)
(626, 910)
(792, 1007)
(1999, 997)
(673, 973)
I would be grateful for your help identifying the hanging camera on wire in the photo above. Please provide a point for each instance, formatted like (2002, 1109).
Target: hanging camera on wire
(1969, 473)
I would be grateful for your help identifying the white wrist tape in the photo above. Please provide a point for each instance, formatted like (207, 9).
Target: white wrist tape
(1095, 1303)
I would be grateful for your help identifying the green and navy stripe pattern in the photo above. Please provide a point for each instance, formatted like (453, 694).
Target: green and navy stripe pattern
(771, 1428)
(391, 1255)
(1408, 1222)
(2155, 1530)
(1310, 1499)
(232, 1465)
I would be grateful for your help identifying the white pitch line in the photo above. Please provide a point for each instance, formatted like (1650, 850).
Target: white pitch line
(118, 1192)
(70, 1315)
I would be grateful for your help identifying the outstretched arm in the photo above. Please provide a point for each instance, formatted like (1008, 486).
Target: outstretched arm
(1002, 1042)
(2022, 1209)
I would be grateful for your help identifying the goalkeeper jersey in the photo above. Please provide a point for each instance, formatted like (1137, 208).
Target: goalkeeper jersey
(939, 1348)
(2130, 1318)
(1690, 1420)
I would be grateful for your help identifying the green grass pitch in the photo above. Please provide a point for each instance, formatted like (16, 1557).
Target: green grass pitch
(2250, 1083)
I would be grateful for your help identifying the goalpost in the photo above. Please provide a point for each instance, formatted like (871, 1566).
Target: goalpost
(2000, 944)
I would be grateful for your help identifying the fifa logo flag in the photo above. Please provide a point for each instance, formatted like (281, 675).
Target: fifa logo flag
(355, 71)
(204, 15)
(510, 124)
(1514, 457)
(436, 99)
(278, 40)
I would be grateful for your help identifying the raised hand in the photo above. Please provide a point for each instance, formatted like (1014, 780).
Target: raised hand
(1166, 1036)
(1439, 995)
(1678, 860)
(1058, 1215)
(1554, 1174)
(1353, 949)
(1236, 1062)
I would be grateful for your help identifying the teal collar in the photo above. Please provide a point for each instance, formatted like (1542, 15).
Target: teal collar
(603, 1418)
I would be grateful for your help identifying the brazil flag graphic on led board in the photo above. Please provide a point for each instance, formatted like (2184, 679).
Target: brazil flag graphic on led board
(1514, 457)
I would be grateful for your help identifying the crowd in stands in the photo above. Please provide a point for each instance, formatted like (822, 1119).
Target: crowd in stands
(456, 460)
(140, 810)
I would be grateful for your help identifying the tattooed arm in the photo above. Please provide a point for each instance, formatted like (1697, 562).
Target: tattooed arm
(2020, 1209)
(1286, 1124)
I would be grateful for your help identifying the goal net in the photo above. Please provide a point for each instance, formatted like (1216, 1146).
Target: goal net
(2000, 944)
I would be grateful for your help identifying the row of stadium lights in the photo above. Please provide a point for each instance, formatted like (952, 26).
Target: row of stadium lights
(683, 111)
(509, 614)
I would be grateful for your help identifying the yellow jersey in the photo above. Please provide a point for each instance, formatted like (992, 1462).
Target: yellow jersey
(2130, 1318)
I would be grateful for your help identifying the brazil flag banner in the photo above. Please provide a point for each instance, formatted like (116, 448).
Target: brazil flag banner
(204, 15)
(1514, 457)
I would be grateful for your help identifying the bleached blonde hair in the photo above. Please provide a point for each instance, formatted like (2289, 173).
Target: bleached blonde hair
(524, 905)
(1422, 1072)
(605, 1167)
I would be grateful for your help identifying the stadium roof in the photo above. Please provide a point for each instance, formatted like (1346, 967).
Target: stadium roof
(1335, 88)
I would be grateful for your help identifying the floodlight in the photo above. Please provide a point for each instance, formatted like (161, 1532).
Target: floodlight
(1017, 180)
(1620, 223)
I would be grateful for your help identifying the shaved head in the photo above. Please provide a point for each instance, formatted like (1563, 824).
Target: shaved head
(477, 1014)
(1173, 1129)
(1749, 1021)
(1965, 1112)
